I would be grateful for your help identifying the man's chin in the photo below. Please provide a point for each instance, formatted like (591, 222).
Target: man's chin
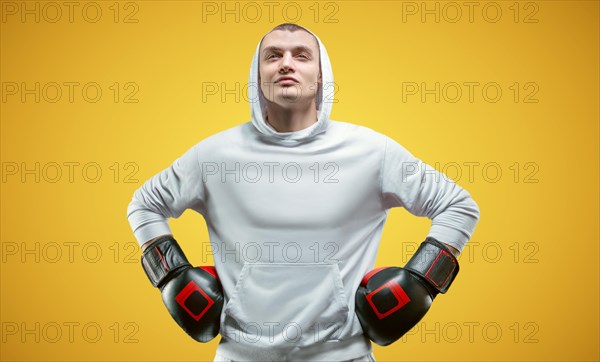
(291, 102)
(293, 89)
(292, 93)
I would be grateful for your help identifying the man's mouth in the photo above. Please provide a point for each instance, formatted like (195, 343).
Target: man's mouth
(286, 80)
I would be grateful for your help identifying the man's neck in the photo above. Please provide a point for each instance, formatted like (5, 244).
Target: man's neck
(291, 120)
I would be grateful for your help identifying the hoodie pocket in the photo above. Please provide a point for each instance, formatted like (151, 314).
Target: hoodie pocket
(283, 305)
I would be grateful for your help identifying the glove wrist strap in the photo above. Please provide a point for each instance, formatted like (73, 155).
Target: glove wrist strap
(162, 259)
(435, 263)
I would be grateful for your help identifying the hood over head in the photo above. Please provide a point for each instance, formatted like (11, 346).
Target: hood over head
(324, 95)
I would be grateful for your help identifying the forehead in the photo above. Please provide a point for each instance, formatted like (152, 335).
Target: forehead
(284, 39)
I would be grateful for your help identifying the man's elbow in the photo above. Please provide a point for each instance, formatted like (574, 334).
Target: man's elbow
(471, 208)
(476, 210)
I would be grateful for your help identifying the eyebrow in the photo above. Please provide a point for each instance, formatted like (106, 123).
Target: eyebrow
(299, 47)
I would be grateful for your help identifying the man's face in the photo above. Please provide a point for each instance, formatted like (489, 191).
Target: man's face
(293, 55)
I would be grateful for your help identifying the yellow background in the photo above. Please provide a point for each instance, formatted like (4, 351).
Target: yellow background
(528, 286)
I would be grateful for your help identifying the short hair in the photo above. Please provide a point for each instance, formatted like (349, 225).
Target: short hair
(292, 28)
(289, 27)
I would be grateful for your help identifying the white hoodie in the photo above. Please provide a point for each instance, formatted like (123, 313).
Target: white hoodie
(294, 222)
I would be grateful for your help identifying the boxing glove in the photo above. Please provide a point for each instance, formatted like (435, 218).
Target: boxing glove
(390, 301)
(193, 296)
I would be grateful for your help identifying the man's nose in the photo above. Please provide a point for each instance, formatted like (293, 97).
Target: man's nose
(287, 62)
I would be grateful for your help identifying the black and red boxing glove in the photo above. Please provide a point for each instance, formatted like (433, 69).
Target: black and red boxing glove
(193, 296)
(391, 301)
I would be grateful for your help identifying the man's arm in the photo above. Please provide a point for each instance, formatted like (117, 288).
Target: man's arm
(423, 191)
(167, 195)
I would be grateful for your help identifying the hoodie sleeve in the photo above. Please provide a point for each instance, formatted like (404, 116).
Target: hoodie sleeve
(167, 195)
(423, 191)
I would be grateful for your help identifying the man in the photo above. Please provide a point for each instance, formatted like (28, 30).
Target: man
(295, 204)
